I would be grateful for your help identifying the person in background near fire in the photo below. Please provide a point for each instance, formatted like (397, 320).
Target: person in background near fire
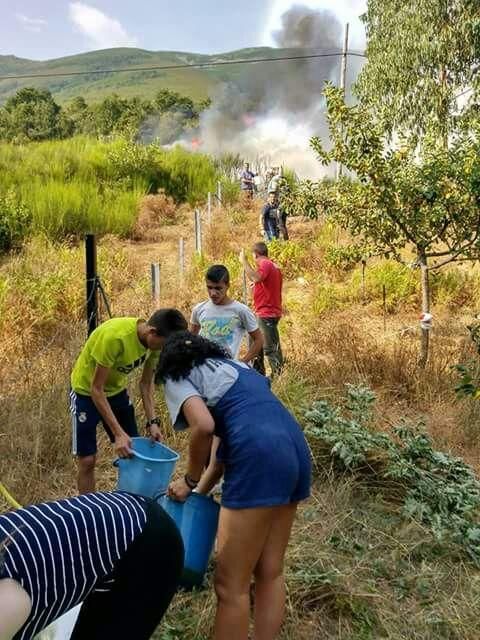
(99, 385)
(270, 218)
(247, 182)
(119, 554)
(225, 322)
(273, 220)
(267, 301)
(265, 460)
(275, 180)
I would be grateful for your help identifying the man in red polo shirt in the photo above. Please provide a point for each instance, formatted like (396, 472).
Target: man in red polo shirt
(267, 301)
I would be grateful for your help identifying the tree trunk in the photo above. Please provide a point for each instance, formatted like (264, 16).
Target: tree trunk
(425, 337)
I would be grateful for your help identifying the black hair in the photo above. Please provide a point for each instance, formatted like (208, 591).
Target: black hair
(167, 321)
(261, 248)
(218, 273)
(183, 351)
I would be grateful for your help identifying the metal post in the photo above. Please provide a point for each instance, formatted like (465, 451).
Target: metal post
(209, 208)
(181, 256)
(343, 79)
(155, 271)
(91, 282)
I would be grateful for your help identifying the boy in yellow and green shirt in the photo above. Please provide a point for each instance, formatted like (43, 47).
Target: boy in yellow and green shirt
(99, 385)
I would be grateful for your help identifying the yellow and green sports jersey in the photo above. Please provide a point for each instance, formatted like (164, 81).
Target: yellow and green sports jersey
(114, 344)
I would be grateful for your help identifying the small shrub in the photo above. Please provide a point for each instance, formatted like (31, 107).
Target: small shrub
(401, 284)
(288, 255)
(15, 219)
(343, 258)
(155, 211)
(452, 288)
(435, 488)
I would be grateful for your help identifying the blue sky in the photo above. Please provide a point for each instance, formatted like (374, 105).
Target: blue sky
(44, 29)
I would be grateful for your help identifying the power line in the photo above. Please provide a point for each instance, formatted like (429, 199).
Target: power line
(196, 65)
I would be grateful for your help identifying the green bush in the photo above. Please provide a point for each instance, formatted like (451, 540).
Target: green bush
(70, 187)
(288, 255)
(15, 219)
(453, 288)
(401, 284)
(434, 488)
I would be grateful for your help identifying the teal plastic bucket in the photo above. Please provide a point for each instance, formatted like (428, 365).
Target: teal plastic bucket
(197, 521)
(149, 470)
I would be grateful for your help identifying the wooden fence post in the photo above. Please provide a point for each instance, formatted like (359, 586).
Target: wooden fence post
(209, 208)
(181, 256)
(198, 232)
(384, 297)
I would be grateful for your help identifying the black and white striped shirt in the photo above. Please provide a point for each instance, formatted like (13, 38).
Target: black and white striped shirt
(62, 551)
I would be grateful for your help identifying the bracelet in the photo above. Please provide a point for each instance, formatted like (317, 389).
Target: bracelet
(152, 421)
(190, 482)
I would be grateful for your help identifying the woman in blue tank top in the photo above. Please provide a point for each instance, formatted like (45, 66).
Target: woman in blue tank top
(265, 461)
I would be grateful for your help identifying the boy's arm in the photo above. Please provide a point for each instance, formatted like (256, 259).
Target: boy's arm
(147, 391)
(194, 328)
(255, 346)
(122, 444)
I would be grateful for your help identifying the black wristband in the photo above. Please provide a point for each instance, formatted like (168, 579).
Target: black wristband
(152, 421)
(190, 482)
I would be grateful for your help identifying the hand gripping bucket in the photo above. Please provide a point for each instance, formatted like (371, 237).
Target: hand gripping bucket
(148, 471)
(197, 521)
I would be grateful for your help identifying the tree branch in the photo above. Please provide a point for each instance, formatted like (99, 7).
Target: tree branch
(455, 258)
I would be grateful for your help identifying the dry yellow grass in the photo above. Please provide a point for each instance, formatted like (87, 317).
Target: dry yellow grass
(350, 552)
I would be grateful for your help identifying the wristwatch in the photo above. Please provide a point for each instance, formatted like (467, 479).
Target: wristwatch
(149, 423)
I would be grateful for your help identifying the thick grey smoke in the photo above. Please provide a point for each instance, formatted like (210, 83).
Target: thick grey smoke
(272, 109)
(309, 28)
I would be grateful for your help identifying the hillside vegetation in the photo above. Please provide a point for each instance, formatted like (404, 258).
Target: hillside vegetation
(196, 83)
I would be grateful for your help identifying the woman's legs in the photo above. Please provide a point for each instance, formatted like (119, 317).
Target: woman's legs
(145, 581)
(269, 580)
(251, 542)
(241, 537)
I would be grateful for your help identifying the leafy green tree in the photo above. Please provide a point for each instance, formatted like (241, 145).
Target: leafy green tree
(167, 100)
(420, 55)
(78, 113)
(107, 114)
(30, 114)
(430, 205)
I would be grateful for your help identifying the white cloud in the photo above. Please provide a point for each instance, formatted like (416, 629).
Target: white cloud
(102, 30)
(31, 24)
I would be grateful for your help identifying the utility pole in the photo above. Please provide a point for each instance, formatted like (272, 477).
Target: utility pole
(343, 79)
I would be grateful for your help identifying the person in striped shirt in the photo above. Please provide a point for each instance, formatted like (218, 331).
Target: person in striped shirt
(119, 554)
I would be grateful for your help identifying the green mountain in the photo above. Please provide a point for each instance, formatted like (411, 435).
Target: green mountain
(196, 83)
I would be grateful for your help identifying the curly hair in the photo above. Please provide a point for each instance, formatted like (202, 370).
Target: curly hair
(183, 351)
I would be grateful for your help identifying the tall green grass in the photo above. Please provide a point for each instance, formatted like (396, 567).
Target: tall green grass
(80, 185)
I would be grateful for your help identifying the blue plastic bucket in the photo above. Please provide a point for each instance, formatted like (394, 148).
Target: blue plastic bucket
(149, 470)
(197, 520)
